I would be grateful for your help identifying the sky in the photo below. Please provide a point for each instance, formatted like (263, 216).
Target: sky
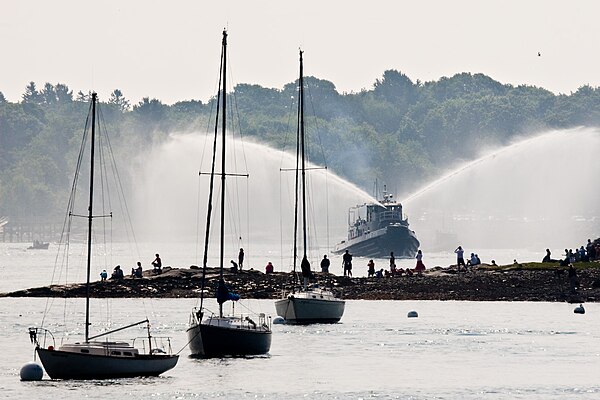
(170, 49)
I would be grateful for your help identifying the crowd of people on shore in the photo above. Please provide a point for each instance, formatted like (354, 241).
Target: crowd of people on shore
(136, 272)
(588, 252)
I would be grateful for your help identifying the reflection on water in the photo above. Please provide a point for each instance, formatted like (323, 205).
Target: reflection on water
(453, 350)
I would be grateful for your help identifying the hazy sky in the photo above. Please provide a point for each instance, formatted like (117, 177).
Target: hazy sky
(170, 49)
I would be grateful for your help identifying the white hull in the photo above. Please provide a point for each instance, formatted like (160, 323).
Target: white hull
(311, 307)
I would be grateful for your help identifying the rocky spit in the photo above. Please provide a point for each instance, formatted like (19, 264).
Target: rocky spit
(526, 282)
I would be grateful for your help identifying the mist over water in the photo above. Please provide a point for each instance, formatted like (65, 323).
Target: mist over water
(537, 193)
(171, 198)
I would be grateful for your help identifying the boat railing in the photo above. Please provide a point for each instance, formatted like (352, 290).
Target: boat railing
(159, 344)
(34, 336)
(244, 320)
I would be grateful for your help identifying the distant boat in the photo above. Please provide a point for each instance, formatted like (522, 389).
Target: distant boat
(306, 305)
(211, 335)
(377, 229)
(37, 245)
(94, 359)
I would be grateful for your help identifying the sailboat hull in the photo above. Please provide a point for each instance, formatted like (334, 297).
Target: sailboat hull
(302, 310)
(208, 341)
(68, 365)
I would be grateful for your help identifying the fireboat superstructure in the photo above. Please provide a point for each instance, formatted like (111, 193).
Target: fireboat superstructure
(377, 229)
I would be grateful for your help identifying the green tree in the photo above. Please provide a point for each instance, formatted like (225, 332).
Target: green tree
(32, 95)
(117, 98)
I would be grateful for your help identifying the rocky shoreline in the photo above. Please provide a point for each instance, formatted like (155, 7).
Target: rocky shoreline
(526, 282)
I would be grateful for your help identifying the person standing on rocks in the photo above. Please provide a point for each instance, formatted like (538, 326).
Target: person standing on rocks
(460, 259)
(325, 264)
(420, 266)
(241, 259)
(573, 281)
(347, 263)
(305, 267)
(371, 270)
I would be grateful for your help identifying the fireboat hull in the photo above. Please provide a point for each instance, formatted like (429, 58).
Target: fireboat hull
(380, 243)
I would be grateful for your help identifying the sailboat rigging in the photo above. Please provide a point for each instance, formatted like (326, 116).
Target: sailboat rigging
(222, 335)
(96, 359)
(308, 304)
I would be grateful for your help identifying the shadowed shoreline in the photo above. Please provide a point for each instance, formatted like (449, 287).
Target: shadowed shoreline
(526, 282)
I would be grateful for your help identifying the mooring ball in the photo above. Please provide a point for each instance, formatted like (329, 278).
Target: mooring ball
(32, 372)
(412, 314)
(278, 320)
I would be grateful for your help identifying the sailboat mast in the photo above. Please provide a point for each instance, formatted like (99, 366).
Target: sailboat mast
(223, 130)
(90, 218)
(301, 100)
(296, 184)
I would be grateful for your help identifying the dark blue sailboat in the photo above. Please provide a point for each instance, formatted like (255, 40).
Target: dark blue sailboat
(219, 335)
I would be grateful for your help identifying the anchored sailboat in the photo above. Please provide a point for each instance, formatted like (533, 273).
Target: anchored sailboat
(91, 358)
(306, 305)
(222, 335)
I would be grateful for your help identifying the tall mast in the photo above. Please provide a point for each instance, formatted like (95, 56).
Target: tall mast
(296, 185)
(223, 129)
(301, 100)
(90, 217)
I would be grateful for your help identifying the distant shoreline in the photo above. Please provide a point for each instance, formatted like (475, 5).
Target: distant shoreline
(526, 282)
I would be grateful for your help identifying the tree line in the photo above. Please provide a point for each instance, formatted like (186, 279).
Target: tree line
(398, 131)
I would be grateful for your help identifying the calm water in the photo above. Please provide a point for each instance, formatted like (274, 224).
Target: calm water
(454, 350)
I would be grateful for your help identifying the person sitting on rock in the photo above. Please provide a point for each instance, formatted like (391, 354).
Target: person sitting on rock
(379, 274)
(547, 257)
(157, 264)
(269, 268)
(138, 270)
(234, 266)
(117, 273)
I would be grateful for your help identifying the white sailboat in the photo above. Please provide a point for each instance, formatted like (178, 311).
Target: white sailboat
(219, 335)
(306, 305)
(92, 358)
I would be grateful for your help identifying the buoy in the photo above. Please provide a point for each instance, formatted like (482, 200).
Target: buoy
(278, 320)
(412, 314)
(32, 371)
(579, 310)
